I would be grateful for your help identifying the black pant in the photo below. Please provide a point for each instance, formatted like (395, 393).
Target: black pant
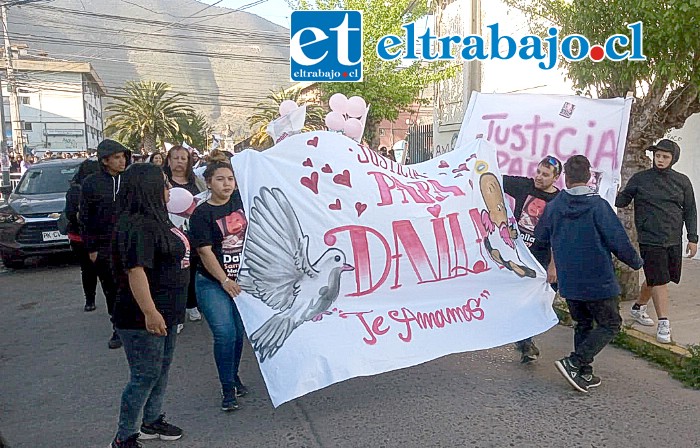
(109, 285)
(191, 291)
(88, 273)
(597, 323)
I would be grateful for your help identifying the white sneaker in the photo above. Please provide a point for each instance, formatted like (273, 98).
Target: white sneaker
(194, 315)
(663, 331)
(641, 316)
(179, 328)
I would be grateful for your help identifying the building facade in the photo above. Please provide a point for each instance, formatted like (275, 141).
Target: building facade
(60, 106)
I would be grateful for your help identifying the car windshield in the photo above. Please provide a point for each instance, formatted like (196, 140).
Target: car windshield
(47, 179)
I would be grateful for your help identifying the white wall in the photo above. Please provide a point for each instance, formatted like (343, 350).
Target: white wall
(57, 110)
(689, 162)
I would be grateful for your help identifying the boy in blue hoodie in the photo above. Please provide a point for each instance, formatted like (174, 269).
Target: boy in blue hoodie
(583, 231)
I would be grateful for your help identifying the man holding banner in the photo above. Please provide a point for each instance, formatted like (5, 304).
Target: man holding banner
(531, 196)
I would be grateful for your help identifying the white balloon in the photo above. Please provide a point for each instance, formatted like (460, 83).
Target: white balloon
(287, 106)
(180, 200)
(338, 103)
(356, 106)
(335, 121)
(353, 128)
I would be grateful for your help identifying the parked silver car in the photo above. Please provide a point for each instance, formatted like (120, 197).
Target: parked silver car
(28, 219)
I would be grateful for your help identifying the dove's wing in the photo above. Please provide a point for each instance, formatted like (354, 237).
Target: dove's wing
(276, 258)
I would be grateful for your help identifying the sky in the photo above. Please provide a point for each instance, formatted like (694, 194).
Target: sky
(276, 11)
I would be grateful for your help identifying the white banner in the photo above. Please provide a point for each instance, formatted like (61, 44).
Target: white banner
(355, 265)
(525, 128)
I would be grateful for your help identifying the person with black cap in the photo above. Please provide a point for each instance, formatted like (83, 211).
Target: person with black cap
(98, 215)
(663, 202)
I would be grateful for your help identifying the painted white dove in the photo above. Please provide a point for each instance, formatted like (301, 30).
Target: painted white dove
(277, 270)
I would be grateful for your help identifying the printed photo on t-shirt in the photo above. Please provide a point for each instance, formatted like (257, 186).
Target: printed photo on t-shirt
(233, 228)
(532, 212)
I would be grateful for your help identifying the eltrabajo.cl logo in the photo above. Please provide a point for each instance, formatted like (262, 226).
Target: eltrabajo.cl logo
(327, 46)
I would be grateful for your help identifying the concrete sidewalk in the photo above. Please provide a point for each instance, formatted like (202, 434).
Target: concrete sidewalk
(684, 314)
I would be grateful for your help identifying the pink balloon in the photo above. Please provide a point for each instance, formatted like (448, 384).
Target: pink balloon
(335, 121)
(287, 106)
(356, 106)
(338, 103)
(180, 200)
(353, 128)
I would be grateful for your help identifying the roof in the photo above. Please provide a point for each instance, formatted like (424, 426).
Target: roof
(61, 66)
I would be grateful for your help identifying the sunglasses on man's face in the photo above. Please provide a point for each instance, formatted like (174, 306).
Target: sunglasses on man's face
(554, 163)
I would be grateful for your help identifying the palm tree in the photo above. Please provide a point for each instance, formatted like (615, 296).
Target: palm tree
(148, 111)
(194, 129)
(269, 111)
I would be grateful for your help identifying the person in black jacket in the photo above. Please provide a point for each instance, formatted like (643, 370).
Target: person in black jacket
(583, 231)
(98, 214)
(88, 273)
(531, 196)
(663, 202)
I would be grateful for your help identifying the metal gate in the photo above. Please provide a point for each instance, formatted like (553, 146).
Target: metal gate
(420, 143)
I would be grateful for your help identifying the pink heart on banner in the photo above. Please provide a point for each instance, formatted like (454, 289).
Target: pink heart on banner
(443, 164)
(307, 162)
(327, 168)
(313, 142)
(461, 167)
(335, 205)
(311, 182)
(343, 179)
(435, 210)
(360, 207)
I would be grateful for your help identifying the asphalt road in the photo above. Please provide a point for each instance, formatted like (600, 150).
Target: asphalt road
(60, 386)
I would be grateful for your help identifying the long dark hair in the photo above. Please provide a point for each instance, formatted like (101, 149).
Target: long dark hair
(85, 169)
(143, 195)
(188, 169)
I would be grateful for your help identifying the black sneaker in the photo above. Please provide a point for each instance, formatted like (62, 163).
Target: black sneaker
(89, 307)
(591, 380)
(529, 352)
(241, 390)
(114, 341)
(229, 402)
(131, 442)
(160, 429)
(572, 374)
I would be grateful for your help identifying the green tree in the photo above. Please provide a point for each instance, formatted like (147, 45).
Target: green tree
(665, 86)
(148, 111)
(386, 86)
(193, 129)
(268, 111)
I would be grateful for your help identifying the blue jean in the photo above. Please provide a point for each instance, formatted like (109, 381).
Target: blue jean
(149, 359)
(226, 326)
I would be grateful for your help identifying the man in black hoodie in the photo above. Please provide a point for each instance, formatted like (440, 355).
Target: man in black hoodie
(663, 202)
(98, 215)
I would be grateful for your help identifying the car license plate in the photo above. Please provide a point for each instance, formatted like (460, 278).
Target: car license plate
(54, 235)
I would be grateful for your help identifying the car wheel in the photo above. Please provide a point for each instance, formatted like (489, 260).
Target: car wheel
(12, 263)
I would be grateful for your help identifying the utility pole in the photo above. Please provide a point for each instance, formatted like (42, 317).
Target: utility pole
(4, 158)
(17, 136)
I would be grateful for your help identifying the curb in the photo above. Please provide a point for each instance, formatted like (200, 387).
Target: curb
(640, 338)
